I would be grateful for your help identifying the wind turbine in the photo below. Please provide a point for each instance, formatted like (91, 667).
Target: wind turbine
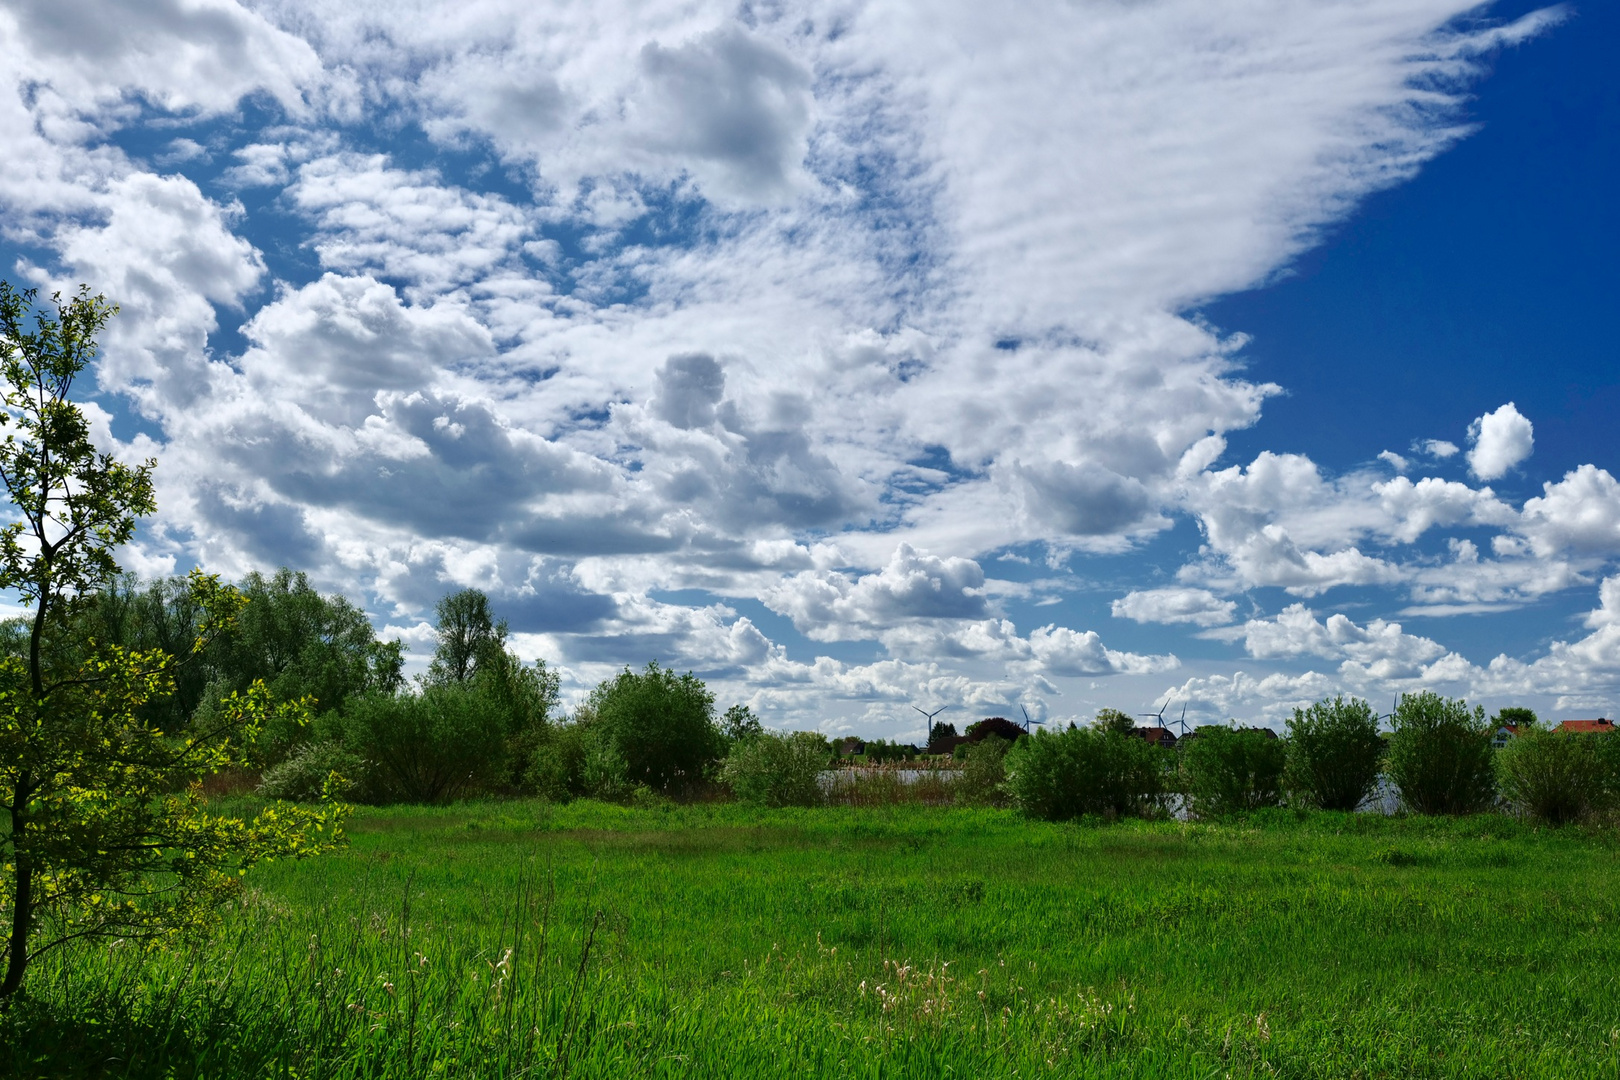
(1159, 716)
(1027, 720)
(1183, 721)
(931, 715)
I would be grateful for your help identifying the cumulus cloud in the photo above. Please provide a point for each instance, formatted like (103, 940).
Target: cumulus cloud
(1581, 513)
(1436, 448)
(833, 606)
(1199, 607)
(734, 108)
(689, 390)
(1059, 651)
(1500, 440)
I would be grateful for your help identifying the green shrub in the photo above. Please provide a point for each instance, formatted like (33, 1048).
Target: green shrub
(1555, 778)
(604, 773)
(661, 725)
(777, 770)
(1231, 771)
(556, 763)
(1333, 754)
(1057, 776)
(1440, 756)
(449, 740)
(981, 780)
(303, 776)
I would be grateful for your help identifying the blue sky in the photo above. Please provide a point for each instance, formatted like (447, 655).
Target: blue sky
(1094, 355)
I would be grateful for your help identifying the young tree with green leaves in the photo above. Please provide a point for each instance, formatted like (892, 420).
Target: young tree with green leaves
(106, 830)
(1440, 756)
(1114, 720)
(1231, 770)
(661, 724)
(1334, 753)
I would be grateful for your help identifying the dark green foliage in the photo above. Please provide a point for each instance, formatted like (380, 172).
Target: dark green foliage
(1440, 756)
(314, 771)
(981, 780)
(778, 770)
(430, 747)
(739, 724)
(556, 763)
(660, 724)
(1516, 717)
(157, 615)
(1334, 753)
(1554, 777)
(941, 738)
(997, 726)
(1233, 770)
(469, 637)
(301, 644)
(878, 751)
(1057, 776)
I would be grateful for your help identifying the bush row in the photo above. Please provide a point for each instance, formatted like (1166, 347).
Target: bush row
(1438, 758)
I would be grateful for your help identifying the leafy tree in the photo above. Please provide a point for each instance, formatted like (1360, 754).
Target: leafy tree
(877, 751)
(1517, 717)
(1114, 720)
(162, 615)
(304, 644)
(661, 724)
(1554, 777)
(517, 700)
(1334, 752)
(1058, 775)
(1440, 755)
(941, 738)
(1232, 770)
(739, 724)
(107, 833)
(469, 636)
(994, 726)
(778, 770)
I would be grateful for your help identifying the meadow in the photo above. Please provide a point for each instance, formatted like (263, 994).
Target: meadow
(509, 939)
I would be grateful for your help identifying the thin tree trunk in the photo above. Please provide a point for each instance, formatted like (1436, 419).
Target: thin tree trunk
(22, 909)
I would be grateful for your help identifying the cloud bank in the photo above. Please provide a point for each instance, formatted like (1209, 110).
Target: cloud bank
(760, 343)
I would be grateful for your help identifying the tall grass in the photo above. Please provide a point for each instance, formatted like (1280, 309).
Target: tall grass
(510, 940)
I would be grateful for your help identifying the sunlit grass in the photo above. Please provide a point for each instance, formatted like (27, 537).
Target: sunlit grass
(519, 939)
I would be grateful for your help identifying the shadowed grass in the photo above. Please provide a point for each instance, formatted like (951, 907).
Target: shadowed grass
(524, 939)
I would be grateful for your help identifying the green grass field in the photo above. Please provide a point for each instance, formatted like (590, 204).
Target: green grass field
(519, 939)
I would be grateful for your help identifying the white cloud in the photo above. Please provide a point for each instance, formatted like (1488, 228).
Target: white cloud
(1379, 651)
(820, 308)
(1438, 448)
(1059, 651)
(832, 606)
(1501, 440)
(1580, 513)
(178, 54)
(1175, 605)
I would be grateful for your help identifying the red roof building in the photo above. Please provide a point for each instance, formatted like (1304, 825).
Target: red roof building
(1586, 727)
